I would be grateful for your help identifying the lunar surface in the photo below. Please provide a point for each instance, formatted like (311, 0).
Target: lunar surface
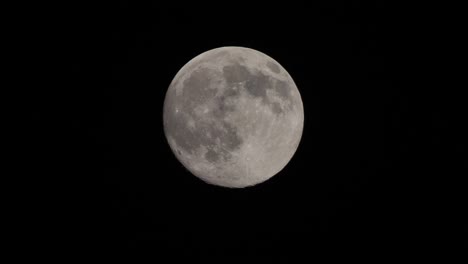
(233, 117)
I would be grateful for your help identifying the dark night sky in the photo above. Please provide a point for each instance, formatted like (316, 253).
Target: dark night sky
(354, 187)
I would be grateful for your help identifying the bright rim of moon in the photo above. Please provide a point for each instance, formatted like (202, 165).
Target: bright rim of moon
(233, 117)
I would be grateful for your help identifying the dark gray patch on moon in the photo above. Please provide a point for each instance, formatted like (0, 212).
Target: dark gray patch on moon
(222, 107)
(257, 85)
(185, 139)
(235, 73)
(211, 156)
(196, 88)
(225, 103)
(273, 67)
(230, 139)
(276, 108)
(231, 92)
(283, 89)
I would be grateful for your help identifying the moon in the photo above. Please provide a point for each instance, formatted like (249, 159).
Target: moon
(233, 117)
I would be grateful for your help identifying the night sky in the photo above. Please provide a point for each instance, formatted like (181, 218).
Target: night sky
(356, 186)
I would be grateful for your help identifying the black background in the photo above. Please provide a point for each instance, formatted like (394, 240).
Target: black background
(357, 185)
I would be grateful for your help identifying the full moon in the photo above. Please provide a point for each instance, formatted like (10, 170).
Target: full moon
(233, 117)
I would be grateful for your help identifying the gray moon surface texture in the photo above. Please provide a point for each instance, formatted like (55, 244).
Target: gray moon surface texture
(233, 117)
